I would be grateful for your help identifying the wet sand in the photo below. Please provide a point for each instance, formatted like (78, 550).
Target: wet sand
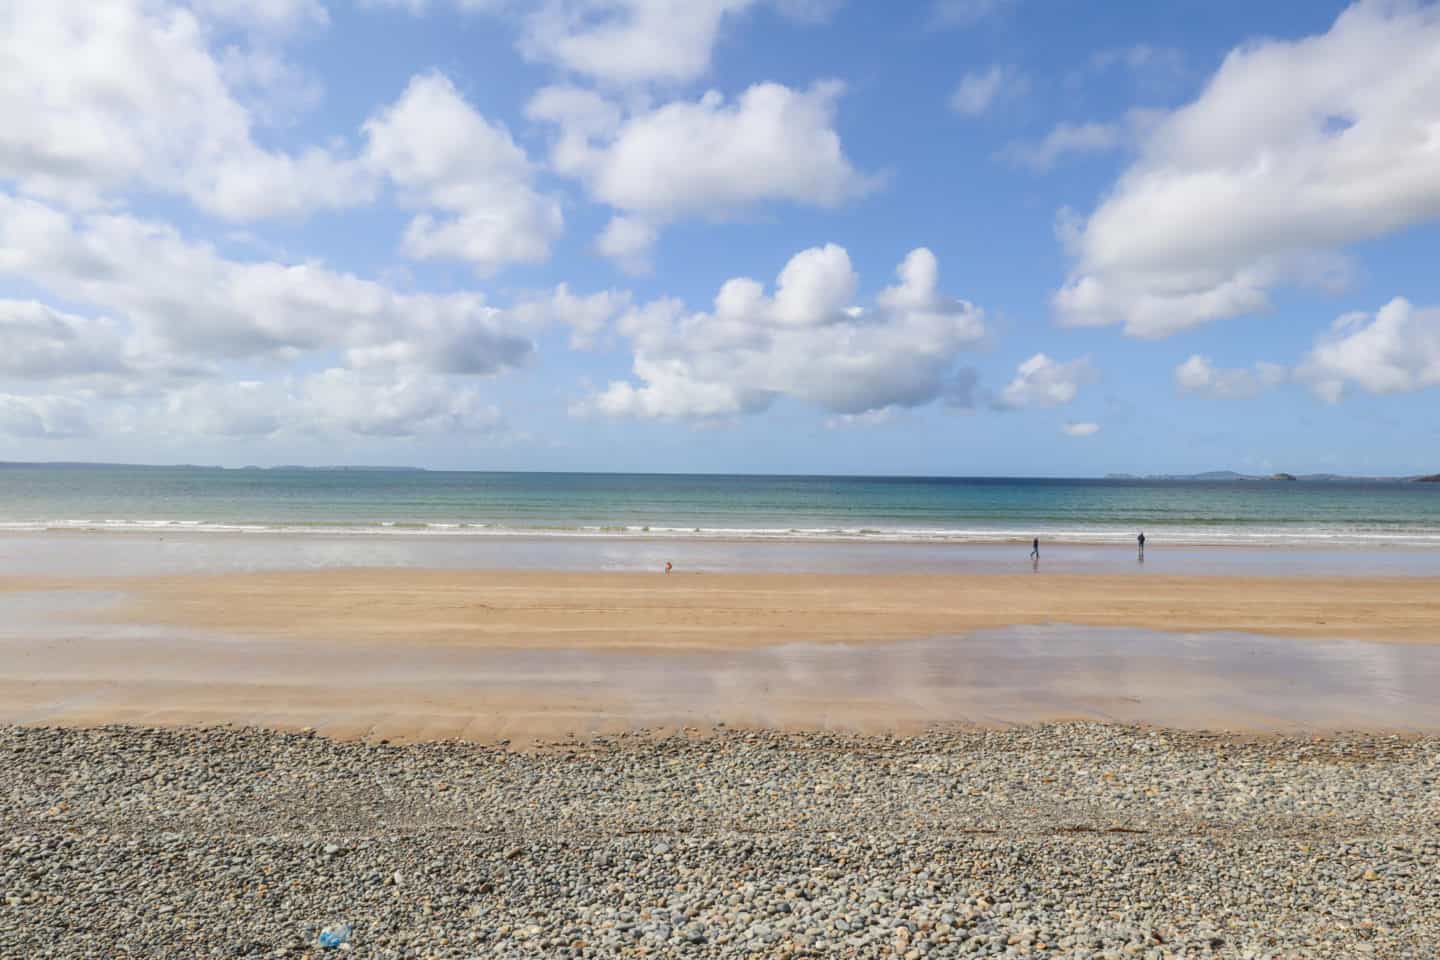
(83, 553)
(1216, 681)
(486, 655)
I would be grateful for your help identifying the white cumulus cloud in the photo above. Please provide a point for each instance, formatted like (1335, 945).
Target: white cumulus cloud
(1395, 350)
(807, 341)
(1080, 428)
(42, 343)
(335, 401)
(442, 154)
(1043, 382)
(708, 158)
(1199, 375)
(1293, 151)
(100, 98)
(185, 297)
(626, 42)
(179, 337)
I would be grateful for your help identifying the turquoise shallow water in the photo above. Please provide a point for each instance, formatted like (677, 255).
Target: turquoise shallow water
(924, 510)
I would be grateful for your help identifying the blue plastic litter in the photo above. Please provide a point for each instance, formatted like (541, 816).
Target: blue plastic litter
(334, 935)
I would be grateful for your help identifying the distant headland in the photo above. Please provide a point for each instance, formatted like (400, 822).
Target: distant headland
(1224, 475)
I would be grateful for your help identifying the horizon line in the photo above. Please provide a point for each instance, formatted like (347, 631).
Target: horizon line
(408, 468)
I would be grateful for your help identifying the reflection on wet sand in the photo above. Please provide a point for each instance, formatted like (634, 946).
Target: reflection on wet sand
(58, 672)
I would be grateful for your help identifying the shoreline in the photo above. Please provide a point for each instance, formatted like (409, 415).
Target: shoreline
(110, 553)
(1420, 542)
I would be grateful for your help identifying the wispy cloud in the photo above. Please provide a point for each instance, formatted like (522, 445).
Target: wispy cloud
(979, 90)
(968, 13)
(1064, 139)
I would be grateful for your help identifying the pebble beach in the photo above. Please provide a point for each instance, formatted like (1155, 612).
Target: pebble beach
(1062, 840)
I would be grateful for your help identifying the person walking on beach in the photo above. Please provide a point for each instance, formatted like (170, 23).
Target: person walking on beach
(1035, 549)
(1141, 540)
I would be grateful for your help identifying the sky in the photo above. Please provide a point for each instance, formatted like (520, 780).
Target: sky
(947, 237)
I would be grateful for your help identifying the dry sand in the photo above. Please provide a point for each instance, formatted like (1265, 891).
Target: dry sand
(726, 611)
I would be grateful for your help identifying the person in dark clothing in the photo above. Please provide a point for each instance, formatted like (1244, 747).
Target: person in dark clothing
(1035, 549)
(1141, 540)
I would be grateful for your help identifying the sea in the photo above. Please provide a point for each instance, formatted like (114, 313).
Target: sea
(931, 510)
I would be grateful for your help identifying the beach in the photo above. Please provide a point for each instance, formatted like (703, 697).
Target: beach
(487, 654)
(719, 480)
(224, 744)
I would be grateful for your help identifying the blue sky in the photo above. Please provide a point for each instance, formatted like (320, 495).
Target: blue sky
(1025, 237)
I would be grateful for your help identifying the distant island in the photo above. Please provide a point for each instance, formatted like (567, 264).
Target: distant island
(1225, 475)
(341, 468)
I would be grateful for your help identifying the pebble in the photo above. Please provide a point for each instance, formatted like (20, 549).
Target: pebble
(1067, 840)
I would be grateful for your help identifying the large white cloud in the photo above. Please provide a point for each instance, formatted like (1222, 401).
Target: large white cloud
(187, 298)
(1044, 382)
(1293, 151)
(41, 343)
(330, 404)
(101, 100)
(442, 154)
(806, 341)
(1395, 350)
(707, 158)
(173, 318)
(104, 97)
(332, 401)
(1199, 375)
(43, 416)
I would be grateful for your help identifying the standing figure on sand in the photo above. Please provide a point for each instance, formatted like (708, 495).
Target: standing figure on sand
(1141, 540)
(1035, 554)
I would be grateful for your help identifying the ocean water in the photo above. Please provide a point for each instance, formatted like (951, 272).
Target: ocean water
(849, 509)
